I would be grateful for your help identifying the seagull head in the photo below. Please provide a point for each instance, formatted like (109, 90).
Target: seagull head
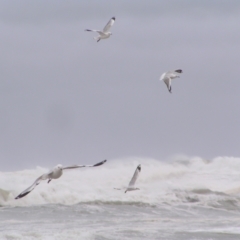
(59, 167)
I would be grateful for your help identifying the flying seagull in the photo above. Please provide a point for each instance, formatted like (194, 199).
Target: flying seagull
(133, 180)
(105, 32)
(54, 174)
(168, 76)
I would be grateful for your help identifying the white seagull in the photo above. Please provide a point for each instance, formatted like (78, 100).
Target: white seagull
(54, 174)
(133, 180)
(168, 76)
(105, 32)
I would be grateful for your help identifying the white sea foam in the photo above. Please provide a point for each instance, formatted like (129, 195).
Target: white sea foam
(183, 180)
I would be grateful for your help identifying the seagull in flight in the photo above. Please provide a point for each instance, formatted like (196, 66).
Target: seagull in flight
(105, 32)
(54, 174)
(168, 76)
(131, 185)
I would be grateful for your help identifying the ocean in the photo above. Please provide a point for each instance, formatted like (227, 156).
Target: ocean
(187, 198)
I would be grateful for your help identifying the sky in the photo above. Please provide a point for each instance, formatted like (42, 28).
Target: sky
(64, 98)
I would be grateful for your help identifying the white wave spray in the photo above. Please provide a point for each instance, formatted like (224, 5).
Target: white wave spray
(183, 180)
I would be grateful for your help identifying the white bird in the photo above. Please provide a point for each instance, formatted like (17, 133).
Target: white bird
(131, 185)
(168, 76)
(54, 174)
(105, 32)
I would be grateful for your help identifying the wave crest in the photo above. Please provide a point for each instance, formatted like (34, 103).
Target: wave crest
(183, 180)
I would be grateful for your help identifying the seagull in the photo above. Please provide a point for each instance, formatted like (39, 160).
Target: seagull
(54, 174)
(105, 32)
(168, 76)
(133, 180)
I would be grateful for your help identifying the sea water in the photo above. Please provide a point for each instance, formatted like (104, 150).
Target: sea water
(186, 198)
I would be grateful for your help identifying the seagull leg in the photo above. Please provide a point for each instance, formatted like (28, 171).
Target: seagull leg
(49, 180)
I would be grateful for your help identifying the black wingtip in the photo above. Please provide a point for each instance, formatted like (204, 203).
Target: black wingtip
(179, 70)
(139, 168)
(100, 163)
(22, 195)
(113, 18)
(87, 30)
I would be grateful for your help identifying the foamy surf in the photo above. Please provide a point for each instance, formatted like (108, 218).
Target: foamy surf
(186, 198)
(185, 180)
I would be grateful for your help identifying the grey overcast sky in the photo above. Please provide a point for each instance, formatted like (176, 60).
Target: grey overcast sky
(64, 98)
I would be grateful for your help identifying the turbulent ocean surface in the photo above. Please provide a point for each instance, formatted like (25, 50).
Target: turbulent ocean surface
(183, 199)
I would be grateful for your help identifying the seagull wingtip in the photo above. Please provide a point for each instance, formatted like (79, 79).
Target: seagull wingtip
(139, 167)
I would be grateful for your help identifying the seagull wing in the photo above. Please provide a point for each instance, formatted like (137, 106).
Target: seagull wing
(109, 24)
(80, 166)
(92, 30)
(168, 81)
(29, 189)
(178, 71)
(135, 176)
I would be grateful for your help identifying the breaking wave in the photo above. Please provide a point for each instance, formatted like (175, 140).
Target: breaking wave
(184, 180)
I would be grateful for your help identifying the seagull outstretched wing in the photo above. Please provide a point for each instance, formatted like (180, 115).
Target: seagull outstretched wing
(37, 181)
(109, 24)
(80, 166)
(92, 30)
(135, 176)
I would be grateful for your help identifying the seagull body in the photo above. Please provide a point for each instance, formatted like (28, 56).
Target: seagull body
(168, 76)
(131, 185)
(105, 33)
(54, 174)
